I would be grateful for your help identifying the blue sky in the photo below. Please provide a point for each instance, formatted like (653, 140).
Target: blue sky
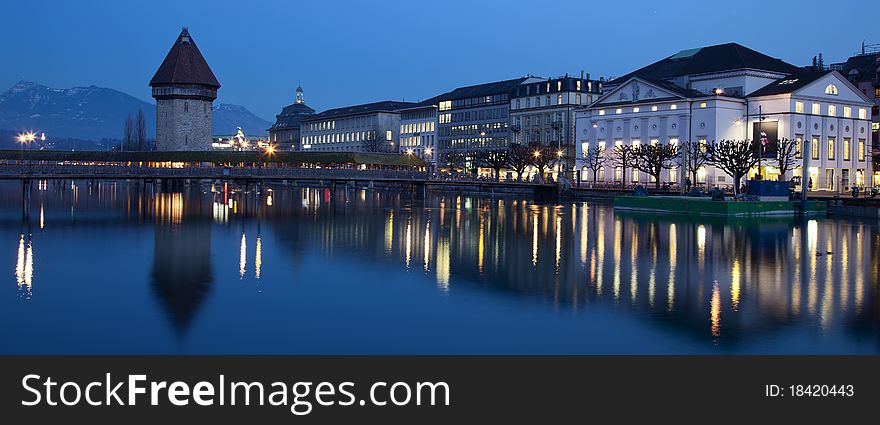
(347, 52)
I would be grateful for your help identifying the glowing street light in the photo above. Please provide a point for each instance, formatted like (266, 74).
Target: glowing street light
(270, 150)
(409, 151)
(559, 153)
(428, 151)
(536, 154)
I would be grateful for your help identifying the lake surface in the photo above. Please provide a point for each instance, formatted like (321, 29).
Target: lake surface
(111, 268)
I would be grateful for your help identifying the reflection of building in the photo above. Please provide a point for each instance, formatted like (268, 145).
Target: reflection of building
(863, 71)
(543, 112)
(285, 133)
(182, 275)
(372, 127)
(184, 88)
(731, 92)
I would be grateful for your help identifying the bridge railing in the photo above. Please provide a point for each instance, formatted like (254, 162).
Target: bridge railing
(97, 171)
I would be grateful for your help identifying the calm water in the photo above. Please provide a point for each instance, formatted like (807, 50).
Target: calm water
(117, 268)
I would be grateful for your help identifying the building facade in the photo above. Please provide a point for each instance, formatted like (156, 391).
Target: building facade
(863, 71)
(184, 88)
(476, 118)
(543, 112)
(285, 133)
(729, 92)
(372, 127)
(418, 132)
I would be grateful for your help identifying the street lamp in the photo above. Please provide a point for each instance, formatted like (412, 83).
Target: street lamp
(536, 153)
(409, 151)
(270, 149)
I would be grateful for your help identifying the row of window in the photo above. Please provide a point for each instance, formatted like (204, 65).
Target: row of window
(417, 127)
(406, 141)
(831, 148)
(831, 110)
(356, 136)
(480, 115)
(536, 119)
(345, 123)
(654, 108)
(473, 102)
(560, 100)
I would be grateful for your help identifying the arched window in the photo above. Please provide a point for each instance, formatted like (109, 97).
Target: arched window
(853, 75)
(831, 89)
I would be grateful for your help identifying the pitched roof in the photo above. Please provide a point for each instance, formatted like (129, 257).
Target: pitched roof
(866, 65)
(789, 83)
(708, 59)
(498, 87)
(184, 64)
(367, 108)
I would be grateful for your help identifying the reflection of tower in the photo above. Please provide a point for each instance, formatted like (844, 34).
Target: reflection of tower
(182, 275)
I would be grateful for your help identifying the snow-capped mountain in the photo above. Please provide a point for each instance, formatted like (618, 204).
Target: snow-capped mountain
(95, 113)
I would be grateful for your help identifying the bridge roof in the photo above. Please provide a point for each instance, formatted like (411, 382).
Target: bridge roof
(232, 157)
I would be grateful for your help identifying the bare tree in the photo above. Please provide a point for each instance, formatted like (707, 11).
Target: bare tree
(734, 157)
(696, 155)
(519, 157)
(495, 159)
(786, 156)
(453, 160)
(374, 141)
(622, 157)
(141, 131)
(652, 159)
(594, 160)
(128, 134)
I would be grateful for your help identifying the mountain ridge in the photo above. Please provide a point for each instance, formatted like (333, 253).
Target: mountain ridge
(95, 113)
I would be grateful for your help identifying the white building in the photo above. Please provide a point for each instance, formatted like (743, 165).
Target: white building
(371, 127)
(418, 132)
(722, 93)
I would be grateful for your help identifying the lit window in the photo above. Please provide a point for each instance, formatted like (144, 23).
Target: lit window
(654, 142)
(636, 109)
(601, 112)
(798, 146)
(585, 147)
(831, 89)
(618, 111)
(799, 107)
(847, 112)
(861, 149)
(847, 145)
(831, 148)
(702, 104)
(559, 85)
(832, 110)
(578, 84)
(816, 108)
(654, 108)
(559, 99)
(673, 106)
(814, 148)
(577, 98)
(388, 135)
(863, 114)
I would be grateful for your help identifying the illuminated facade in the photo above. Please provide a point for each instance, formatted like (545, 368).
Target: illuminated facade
(418, 135)
(543, 112)
(863, 71)
(729, 92)
(372, 127)
(476, 118)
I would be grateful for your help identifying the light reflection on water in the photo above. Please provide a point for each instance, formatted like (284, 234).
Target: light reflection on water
(496, 275)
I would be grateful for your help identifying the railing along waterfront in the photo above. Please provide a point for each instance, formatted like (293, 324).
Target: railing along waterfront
(37, 171)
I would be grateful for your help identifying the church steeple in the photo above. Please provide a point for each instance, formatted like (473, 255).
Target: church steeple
(299, 95)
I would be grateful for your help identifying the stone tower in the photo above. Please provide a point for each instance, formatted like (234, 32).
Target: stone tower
(184, 88)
